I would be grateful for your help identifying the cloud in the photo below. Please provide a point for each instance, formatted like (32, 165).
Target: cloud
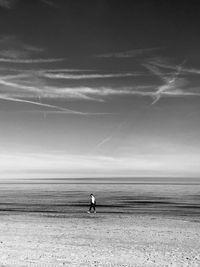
(24, 93)
(49, 3)
(58, 71)
(30, 83)
(92, 93)
(87, 76)
(104, 141)
(31, 61)
(14, 90)
(14, 76)
(43, 91)
(37, 84)
(162, 64)
(13, 50)
(130, 53)
(105, 91)
(67, 111)
(63, 112)
(171, 83)
(12, 54)
(20, 87)
(9, 4)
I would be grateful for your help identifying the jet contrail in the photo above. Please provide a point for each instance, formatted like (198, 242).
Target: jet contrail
(31, 61)
(7, 77)
(169, 82)
(6, 98)
(105, 140)
(20, 86)
(59, 110)
(111, 136)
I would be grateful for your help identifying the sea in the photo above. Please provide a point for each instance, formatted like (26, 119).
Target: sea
(61, 197)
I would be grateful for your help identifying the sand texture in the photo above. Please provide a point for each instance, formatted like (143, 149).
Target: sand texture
(98, 240)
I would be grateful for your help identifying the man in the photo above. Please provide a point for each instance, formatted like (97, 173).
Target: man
(92, 203)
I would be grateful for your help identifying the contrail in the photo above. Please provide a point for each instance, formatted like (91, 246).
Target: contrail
(6, 98)
(20, 86)
(31, 61)
(86, 76)
(8, 77)
(169, 82)
(110, 137)
(69, 112)
(105, 140)
(59, 110)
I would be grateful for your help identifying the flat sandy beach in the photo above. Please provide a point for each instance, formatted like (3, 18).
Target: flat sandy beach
(98, 240)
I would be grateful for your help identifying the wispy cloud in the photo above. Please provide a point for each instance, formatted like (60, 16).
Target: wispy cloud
(50, 3)
(14, 76)
(130, 53)
(172, 83)
(92, 92)
(63, 112)
(43, 91)
(8, 4)
(13, 50)
(25, 93)
(87, 76)
(64, 70)
(162, 64)
(67, 111)
(17, 89)
(110, 137)
(104, 141)
(30, 85)
(31, 61)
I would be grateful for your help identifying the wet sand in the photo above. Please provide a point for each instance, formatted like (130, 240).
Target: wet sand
(98, 240)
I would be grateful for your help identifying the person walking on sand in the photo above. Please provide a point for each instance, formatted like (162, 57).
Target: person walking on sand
(92, 203)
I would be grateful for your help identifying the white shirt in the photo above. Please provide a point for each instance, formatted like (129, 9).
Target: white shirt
(93, 199)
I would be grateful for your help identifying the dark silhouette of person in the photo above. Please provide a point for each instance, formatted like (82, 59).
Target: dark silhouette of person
(92, 203)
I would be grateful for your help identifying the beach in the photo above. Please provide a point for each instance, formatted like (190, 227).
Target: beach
(136, 224)
(98, 240)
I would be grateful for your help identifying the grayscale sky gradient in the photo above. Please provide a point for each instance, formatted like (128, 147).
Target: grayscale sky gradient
(99, 88)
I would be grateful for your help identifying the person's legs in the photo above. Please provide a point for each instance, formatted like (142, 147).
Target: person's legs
(94, 208)
(90, 207)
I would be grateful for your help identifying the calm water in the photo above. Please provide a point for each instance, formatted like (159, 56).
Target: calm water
(176, 197)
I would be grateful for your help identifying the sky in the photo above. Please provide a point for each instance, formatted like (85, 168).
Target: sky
(99, 88)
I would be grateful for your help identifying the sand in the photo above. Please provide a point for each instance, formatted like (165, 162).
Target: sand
(120, 240)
